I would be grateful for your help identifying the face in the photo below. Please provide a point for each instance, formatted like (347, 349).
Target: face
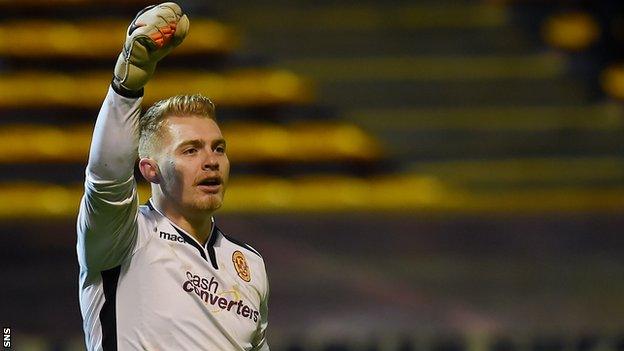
(194, 168)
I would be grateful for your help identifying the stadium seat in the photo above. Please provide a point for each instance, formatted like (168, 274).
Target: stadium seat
(244, 87)
(48, 38)
(247, 142)
(255, 194)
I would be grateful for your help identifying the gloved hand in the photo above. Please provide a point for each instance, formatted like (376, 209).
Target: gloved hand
(153, 33)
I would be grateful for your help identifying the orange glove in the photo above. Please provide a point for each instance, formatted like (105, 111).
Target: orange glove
(153, 33)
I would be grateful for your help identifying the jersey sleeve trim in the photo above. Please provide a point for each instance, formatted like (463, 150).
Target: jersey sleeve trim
(131, 94)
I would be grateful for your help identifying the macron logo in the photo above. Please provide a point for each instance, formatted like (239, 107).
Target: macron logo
(172, 237)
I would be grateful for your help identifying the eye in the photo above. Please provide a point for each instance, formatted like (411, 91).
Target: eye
(220, 149)
(190, 151)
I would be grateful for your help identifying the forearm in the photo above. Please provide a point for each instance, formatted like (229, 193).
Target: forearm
(151, 36)
(115, 139)
(107, 220)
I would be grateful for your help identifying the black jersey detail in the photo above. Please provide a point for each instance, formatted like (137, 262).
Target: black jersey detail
(130, 94)
(149, 205)
(239, 243)
(210, 246)
(108, 313)
(192, 242)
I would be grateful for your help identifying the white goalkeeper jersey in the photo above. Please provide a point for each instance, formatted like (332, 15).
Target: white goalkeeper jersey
(146, 284)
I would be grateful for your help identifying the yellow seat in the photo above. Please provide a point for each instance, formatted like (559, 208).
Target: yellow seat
(251, 142)
(612, 81)
(406, 193)
(573, 31)
(244, 87)
(47, 38)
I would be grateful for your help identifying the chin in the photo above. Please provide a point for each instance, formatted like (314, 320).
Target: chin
(212, 203)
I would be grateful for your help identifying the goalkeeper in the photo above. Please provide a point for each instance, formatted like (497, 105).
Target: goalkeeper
(162, 276)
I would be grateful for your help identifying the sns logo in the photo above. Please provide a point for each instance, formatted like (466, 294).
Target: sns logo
(240, 264)
(6, 334)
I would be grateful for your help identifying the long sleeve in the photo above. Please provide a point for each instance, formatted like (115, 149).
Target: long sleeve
(107, 219)
(260, 342)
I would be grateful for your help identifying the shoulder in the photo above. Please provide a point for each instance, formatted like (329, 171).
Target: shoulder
(239, 243)
(148, 213)
(233, 245)
(148, 220)
(246, 260)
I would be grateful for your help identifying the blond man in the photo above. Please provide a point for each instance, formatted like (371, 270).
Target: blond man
(162, 276)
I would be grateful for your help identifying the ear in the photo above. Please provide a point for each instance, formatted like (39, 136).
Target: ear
(149, 169)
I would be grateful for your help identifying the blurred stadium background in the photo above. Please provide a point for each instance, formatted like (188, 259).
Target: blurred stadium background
(419, 175)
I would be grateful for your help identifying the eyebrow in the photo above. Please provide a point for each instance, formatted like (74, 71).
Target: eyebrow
(199, 143)
(192, 142)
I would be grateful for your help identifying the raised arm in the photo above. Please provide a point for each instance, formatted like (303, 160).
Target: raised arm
(107, 219)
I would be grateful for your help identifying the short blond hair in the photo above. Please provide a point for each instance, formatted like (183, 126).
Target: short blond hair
(150, 124)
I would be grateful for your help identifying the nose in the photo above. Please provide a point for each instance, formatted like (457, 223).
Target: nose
(211, 163)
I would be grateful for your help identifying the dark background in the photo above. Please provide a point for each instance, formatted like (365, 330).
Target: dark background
(480, 206)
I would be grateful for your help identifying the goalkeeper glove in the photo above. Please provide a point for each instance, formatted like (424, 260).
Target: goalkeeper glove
(153, 33)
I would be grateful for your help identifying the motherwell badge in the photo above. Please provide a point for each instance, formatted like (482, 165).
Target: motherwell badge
(240, 264)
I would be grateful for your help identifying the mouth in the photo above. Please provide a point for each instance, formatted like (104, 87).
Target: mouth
(210, 185)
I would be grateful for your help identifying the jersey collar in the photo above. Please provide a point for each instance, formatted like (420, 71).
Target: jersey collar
(189, 239)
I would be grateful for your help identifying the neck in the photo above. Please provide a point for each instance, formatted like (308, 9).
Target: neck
(197, 225)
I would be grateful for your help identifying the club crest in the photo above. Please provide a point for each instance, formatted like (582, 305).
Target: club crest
(240, 264)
